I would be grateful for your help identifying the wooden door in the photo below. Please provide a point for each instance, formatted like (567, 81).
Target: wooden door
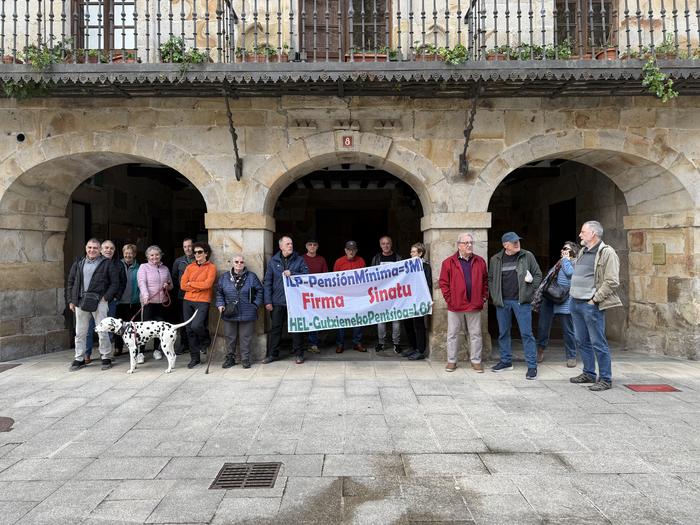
(320, 26)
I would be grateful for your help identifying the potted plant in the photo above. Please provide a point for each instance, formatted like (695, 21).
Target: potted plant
(263, 53)
(426, 52)
(128, 58)
(666, 50)
(455, 56)
(366, 56)
(503, 52)
(560, 51)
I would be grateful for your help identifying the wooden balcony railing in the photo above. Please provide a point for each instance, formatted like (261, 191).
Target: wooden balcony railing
(43, 32)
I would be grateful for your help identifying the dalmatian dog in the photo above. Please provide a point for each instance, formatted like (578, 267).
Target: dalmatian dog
(139, 333)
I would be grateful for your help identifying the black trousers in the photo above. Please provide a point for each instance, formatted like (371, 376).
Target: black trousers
(279, 320)
(155, 312)
(184, 344)
(197, 332)
(416, 333)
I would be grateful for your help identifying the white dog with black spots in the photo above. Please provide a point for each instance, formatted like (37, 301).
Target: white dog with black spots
(136, 334)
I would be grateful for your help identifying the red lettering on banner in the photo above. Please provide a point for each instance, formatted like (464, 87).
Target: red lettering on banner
(389, 294)
(309, 300)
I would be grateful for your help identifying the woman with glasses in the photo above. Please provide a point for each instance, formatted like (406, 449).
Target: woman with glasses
(198, 284)
(239, 294)
(561, 273)
(154, 282)
(415, 326)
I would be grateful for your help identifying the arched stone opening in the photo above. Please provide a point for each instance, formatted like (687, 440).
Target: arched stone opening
(644, 197)
(35, 217)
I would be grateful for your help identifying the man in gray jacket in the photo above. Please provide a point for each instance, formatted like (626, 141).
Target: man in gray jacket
(593, 290)
(514, 275)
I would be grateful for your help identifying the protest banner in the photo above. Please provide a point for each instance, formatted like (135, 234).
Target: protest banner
(361, 297)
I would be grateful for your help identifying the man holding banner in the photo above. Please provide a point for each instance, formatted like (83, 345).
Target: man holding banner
(357, 297)
(284, 264)
(387, 256)
(349, 261)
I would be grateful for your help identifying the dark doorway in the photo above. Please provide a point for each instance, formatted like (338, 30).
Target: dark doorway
(349, 202)
(562, 225)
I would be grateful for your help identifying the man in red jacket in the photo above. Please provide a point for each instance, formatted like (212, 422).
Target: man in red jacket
(464, 285)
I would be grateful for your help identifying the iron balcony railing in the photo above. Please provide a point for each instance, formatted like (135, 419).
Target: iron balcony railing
(43, 32)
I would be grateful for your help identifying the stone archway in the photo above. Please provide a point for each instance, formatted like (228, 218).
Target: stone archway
(36, 186)
(660, 189)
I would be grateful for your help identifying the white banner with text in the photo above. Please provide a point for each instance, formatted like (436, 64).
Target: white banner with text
(366, 296)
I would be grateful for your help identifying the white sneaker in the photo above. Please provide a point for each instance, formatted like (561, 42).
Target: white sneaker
(139, 359)
(157, 354)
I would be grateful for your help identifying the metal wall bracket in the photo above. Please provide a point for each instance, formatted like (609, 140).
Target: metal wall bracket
(463, 161)
(238, 163)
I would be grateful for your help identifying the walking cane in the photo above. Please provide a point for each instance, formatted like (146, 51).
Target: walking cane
(211, 348)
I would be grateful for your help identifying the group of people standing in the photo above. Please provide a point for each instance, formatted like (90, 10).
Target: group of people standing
(586, 283)
(100, 285)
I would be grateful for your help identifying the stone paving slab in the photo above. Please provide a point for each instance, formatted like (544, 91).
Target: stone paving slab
(378, 441)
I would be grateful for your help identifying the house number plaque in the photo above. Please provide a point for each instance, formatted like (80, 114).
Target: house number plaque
(347, 141)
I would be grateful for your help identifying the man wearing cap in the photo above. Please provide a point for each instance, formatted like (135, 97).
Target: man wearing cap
(514, 275)
(350, 261)
(316, 264)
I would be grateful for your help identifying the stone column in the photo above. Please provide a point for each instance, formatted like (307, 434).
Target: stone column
(440, 231)
(249, 234)
(664, 268)
(32, 289)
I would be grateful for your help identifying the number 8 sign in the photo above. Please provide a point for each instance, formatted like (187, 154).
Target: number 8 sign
(347, 141)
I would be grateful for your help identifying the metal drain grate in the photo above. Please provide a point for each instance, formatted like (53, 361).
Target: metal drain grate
(246, 476)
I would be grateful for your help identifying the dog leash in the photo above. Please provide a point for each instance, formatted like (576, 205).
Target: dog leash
(211, 348)
(166, 302)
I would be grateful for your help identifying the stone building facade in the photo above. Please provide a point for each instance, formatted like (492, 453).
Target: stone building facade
(632, 163)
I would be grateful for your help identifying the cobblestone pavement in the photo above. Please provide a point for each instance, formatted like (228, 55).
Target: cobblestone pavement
(374, 441)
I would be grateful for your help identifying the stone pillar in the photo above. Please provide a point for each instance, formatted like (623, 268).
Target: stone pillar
(664, 268)
(32, 292)
(440, 231)
(249, 234)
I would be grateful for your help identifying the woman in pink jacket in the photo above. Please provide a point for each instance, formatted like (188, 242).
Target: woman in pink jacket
(154, 282)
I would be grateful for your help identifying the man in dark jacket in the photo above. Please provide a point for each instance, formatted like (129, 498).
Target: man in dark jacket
(464, 285)
(95, 278)
(514, 275)
(386, 256)
(178, 295)
(285, 262)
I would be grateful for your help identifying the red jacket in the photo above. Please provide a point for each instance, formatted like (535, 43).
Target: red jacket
(454, 288)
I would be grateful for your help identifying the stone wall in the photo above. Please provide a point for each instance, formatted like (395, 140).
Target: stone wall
(648, 150)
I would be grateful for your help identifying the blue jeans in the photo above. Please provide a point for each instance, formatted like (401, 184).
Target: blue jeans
(356, 336)
(544, 326)
(313, 338)
(589, 328)
(111, 312)
(523, 315)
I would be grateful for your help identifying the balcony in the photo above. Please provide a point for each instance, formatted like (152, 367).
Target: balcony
(418, 48)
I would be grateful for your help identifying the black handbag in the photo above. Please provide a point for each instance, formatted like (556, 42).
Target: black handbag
(89, 302)
(555, 292)
(231, 309)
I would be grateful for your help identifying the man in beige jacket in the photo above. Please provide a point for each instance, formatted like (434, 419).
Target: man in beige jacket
(593, 290)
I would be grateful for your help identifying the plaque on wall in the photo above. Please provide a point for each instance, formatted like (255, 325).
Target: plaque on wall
(658, 253)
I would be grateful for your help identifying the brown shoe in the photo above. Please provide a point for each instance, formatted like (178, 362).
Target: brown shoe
(478, 368)
(88, 360)
(339, 349)
(451, 367)
(540, 354)
(359, 347)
